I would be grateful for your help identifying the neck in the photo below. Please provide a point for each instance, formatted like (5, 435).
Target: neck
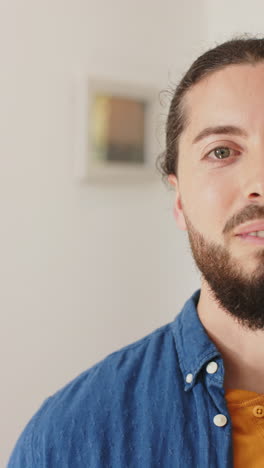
(242, 349)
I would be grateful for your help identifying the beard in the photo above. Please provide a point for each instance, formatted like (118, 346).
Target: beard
(238, 294)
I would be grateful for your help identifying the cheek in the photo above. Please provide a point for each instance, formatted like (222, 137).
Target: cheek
(208, 203)
(217, 193)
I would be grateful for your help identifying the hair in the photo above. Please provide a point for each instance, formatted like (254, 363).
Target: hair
(243, 50)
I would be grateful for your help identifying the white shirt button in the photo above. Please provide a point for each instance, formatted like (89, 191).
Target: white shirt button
(212, 367)
(189, 378)
(220, 420)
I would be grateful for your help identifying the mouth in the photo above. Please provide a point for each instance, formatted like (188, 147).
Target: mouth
(255, 240)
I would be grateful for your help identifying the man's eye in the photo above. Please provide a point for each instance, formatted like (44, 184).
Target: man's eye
(222, 152)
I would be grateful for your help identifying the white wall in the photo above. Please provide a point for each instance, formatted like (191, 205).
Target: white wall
(84, 270)
(227, 19)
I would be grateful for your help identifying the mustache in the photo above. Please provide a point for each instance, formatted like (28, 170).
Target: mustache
(250, 213)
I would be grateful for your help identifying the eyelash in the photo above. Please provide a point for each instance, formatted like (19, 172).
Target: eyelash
(220, 147)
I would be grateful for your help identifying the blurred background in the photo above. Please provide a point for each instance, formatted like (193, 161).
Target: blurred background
(86, 268)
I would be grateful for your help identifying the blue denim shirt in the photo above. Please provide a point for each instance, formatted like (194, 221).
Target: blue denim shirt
(135, 408)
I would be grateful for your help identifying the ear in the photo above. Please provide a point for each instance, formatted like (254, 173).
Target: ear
(177, 207)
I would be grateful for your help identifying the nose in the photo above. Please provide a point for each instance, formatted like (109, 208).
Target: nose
(257, 193)
(254, 178)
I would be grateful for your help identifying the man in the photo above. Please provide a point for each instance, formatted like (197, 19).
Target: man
(190, 394)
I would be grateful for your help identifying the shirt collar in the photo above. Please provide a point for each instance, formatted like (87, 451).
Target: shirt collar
(193, 344)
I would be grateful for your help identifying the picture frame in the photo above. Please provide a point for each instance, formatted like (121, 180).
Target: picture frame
(115, 130)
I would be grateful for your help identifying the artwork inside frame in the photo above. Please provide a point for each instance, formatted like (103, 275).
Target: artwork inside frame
(116, 127)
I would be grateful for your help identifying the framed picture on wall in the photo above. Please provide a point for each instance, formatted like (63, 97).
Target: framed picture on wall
(115, 130)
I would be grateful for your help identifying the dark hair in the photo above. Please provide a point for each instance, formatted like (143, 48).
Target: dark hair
(236, 51)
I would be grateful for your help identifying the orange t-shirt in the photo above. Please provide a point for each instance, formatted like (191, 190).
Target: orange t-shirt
(247, 414)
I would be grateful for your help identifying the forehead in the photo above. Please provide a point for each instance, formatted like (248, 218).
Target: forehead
(233, 95)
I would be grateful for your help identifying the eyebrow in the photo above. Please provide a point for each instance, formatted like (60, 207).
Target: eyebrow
(220, 130)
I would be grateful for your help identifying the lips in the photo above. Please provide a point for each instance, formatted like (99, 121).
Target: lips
(252, 227)
(250, 240)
